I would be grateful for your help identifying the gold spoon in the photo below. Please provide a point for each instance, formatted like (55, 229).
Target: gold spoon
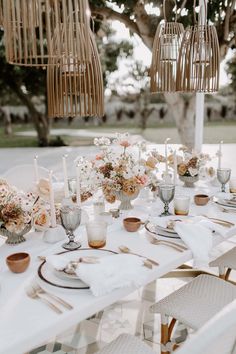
(125, 249)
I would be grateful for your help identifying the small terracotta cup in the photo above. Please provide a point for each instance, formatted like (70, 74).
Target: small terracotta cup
(201, 199)
(18, 262)
(132, 224)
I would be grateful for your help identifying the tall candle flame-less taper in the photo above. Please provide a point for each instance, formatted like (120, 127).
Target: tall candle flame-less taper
(31, 27)
(165, 54)
(199, 58)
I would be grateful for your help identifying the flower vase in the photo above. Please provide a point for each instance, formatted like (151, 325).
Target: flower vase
(189, 180)
(14, 238)
(125, 200)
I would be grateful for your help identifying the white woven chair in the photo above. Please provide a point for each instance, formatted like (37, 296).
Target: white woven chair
(193, 305)
(217, 336)
(225, 263)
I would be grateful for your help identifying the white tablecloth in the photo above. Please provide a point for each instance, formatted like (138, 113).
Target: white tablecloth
(26, 323)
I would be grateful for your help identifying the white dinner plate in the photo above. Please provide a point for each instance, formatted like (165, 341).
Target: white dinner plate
(225, 202)
(155, 231)
(67, 281)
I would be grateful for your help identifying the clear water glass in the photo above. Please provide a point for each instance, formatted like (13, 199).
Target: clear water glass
(166, 194)
(70, 219)
(223, 176)
(96, 233)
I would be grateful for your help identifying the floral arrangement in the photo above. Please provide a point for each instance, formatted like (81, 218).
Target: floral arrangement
(122, 169)
(19, 209)
(190, 164)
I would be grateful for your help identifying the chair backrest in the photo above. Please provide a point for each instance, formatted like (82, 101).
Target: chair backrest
(217, 336)
(23, 176)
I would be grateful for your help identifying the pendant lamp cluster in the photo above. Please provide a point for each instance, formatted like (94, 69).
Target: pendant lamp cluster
(185, 61)
(56, 34)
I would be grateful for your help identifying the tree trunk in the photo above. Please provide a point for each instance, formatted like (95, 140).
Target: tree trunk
(7, 121)
(183, 110)
(40, 120)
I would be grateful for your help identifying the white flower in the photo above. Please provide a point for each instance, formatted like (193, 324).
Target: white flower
(41, 220)
(193, 171)
(139, 170)
(102, 141)
(127, 174)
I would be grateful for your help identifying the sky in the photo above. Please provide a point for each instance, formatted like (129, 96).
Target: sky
(142, 53)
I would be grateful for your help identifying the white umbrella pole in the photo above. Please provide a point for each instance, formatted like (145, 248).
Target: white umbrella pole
(200, 97)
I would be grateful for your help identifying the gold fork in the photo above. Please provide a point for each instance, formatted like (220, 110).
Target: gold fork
(40, 290)
(170, 244)
(34, 295)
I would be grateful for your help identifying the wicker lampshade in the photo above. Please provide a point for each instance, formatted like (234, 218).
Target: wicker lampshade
(75, 87)
(199, 59)
(165, 54)
(1, 13)
(31, 26)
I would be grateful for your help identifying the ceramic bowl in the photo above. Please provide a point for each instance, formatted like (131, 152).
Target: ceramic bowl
(201, 199)
(18, 262)
(132, 224)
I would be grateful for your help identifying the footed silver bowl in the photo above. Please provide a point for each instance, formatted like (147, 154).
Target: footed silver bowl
(189, 180)
(14, 238)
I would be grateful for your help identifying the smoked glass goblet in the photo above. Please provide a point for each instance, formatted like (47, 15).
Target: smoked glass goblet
(223, 176)
(70, 219)
(166, 194)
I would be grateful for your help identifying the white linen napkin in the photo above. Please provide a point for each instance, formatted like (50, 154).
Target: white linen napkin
(112, 272)
(197, 235)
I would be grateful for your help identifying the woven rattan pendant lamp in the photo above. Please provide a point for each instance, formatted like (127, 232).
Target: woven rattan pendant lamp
(165, 54)
(31, 26)
(75, 87)
(199, 58)
(1, 13)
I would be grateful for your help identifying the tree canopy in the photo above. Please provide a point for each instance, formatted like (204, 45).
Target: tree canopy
(135, 15)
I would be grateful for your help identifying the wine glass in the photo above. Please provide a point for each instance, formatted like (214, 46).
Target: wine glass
(223, 176)
(166, 194)
(70, 219)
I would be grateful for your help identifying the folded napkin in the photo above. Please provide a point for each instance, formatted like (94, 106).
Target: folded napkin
(197, 235)
(112, 272)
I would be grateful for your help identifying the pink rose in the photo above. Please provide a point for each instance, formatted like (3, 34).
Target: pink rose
(99, 157)
(124, 143)
(143, 180)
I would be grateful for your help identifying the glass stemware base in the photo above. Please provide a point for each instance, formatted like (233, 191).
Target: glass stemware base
(71, 245)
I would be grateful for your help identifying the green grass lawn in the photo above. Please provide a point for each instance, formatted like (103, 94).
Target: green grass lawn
(213, 133)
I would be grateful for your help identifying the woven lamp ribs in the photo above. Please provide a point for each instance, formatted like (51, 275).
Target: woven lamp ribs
(1, 13)
(166, 45)
(31, 25)
(75, 87)
(199, 59)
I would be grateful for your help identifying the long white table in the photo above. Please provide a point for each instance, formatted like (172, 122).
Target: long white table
(27, 323)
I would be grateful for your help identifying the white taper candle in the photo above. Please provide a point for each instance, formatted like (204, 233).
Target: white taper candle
(78, 197)
(65, 175)
(166, 154)
(175, 168)
(220, 154)
(36, 169)
(52, 203)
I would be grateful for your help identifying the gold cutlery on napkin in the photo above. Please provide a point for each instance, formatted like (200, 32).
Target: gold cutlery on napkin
(226, 210)
(125, 249)
(170, 244)
(220, 221)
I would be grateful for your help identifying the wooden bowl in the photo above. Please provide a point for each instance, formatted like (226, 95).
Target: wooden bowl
(18, 262)
(201, 199)
(132, 224)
